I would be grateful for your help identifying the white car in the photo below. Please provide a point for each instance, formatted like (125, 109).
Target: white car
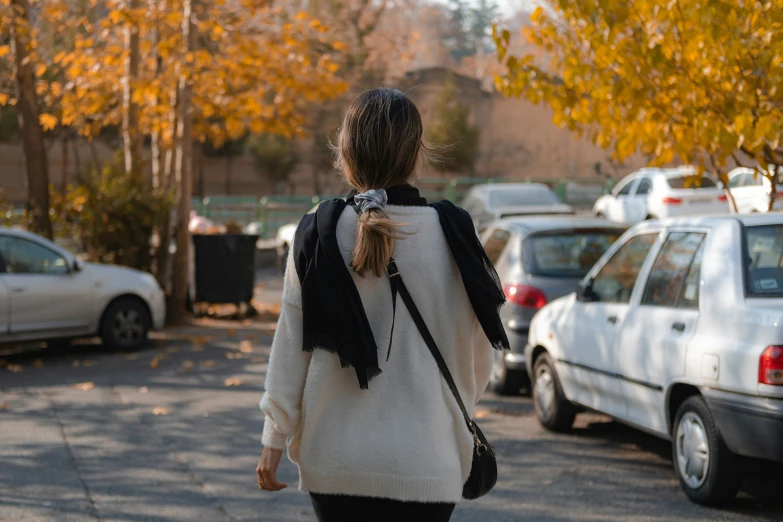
(678, 331)
(751, 191)
(47, 294)
(661, 193)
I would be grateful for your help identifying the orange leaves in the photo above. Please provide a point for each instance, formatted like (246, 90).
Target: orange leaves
(84, 386)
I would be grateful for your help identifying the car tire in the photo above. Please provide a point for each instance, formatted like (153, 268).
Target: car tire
(695, 439)
(125, 325)
(554, 411)
(504, 381)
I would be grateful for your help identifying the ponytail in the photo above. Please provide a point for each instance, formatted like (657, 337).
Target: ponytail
(376, 237)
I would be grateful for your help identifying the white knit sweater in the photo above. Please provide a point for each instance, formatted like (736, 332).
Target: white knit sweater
(404, 438)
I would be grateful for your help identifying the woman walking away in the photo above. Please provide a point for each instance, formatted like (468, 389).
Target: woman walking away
(353, 389)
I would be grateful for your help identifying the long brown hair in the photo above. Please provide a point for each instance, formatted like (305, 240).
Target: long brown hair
(379, 146)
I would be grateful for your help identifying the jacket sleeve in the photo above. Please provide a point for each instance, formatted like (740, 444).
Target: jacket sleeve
(482, 360)
(288, 364)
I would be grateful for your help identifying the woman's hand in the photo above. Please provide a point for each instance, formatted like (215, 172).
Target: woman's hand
(267, 470)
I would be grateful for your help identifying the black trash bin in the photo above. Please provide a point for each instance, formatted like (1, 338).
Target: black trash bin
(224, 268)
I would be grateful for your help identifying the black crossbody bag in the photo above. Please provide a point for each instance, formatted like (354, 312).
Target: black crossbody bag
(484, 469)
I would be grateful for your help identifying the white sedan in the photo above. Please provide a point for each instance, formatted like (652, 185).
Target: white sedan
(661, 193)
(751, 191)
(47, 294)
(678, 331)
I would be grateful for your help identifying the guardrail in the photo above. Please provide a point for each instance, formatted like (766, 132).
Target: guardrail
(271, 212)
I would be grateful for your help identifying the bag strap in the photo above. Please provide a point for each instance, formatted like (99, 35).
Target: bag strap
(397, 284)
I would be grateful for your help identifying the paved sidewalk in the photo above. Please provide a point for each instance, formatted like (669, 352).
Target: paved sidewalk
(172, 433)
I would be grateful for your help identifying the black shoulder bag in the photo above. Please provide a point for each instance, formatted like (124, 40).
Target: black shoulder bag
(484, 470)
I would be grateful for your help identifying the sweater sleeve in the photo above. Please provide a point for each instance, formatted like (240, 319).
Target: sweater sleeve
(482, 360)
(288, 364)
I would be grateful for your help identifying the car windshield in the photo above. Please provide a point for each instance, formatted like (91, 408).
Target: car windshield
(764, 262)
(566, 253)
(691, 182)
(522, 197)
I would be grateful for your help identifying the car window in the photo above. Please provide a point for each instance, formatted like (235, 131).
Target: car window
(615, 282)
(645, 186)
(496, 244)
(691, 182)
(736, 181)
(675, 274)
(626, 189)
(26, 257)
(522, 196)
(567, 253)
(764, 261)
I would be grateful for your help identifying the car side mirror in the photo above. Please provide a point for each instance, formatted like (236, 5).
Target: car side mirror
(76, 266)
(585, 293)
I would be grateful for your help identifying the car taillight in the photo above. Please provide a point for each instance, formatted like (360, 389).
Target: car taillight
(671, 201)
(771, 366)
(525, 296)
(723, 198)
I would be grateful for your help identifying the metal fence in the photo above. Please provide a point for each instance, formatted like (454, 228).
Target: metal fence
(271, 212)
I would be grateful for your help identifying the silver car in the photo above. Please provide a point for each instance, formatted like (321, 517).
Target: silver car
(487, 203)
(47, 294)
(538, 259)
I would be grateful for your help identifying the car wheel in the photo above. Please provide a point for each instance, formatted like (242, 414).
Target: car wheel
(504, 381)
(125, 325)
(554, 411)
(705, 466)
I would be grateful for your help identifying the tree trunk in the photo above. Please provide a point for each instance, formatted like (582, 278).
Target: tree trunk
(163, 255)
(131, 135)
(64, 162)
(200, 189)
(155, 149)
(229, 162)
(76, 156)
(96, 159)
(773, 193)
(184, 169)
(36, 165)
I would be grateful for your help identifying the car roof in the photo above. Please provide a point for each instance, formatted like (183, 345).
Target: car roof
(750, 220)
(19, 232)
(492, 187)
(530, 224)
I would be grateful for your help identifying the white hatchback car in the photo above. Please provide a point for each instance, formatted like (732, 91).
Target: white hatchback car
(751, 191)
(661, 193)
(47, 294)
(678, 331)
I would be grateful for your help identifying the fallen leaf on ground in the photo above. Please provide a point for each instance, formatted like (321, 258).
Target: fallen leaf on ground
(234, 381)
(172, 349)
(143, 389)
(38, 363)
(76, 364)
(14, 368)
(258, 360)
(234, 355)
(232, 332)
(89, 364)
(160, 410)
(246, 347)
(481, 414)
(83, 386)
(188, 366)
(197, 347)
(155, 362)
(4, 406)
(3, 362)
(207, 364)
(131, 357)
(160, 343)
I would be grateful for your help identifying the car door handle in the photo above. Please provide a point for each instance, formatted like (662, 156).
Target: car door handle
(612, 319)
(18, 289)
(679, 327)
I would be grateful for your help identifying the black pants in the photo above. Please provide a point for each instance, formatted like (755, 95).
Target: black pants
(343, 508)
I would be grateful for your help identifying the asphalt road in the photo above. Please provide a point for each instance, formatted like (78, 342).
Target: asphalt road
(172, 433)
